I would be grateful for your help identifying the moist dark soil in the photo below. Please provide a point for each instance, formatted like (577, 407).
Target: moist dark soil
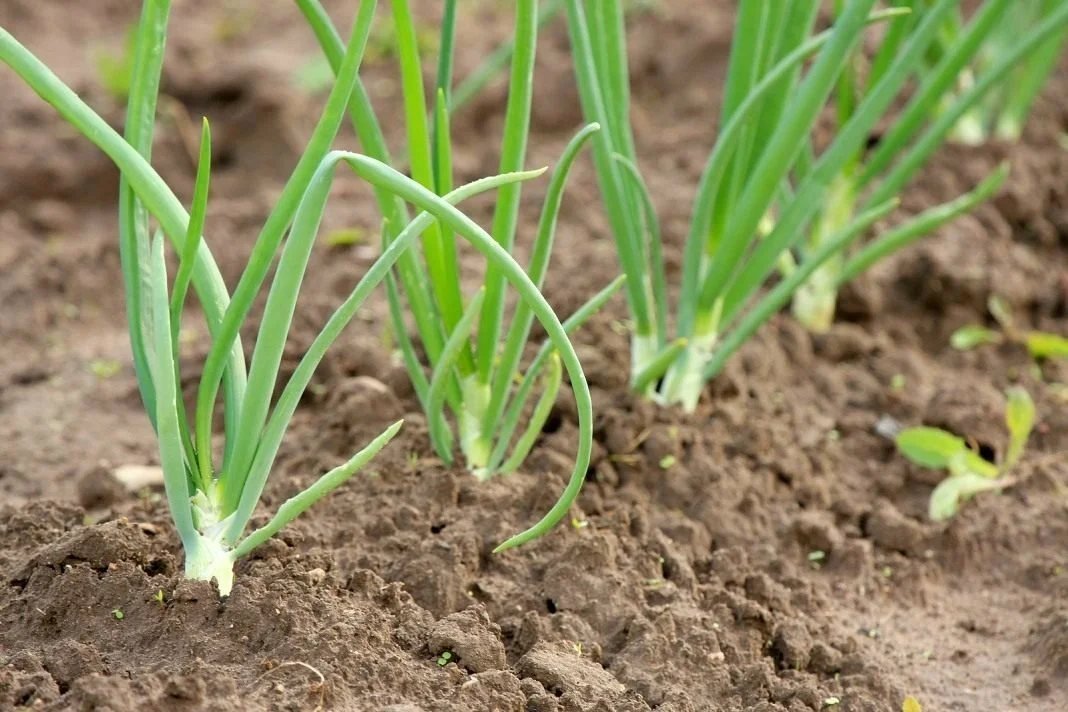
(769, 552)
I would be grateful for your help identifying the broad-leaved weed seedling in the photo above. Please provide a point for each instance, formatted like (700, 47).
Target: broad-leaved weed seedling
(1039, 344)
(969, 473)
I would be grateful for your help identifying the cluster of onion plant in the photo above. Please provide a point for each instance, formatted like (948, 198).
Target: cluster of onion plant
(213, 496)
(1004, 111)
(926, 121)
(764, 188)
(473, 356)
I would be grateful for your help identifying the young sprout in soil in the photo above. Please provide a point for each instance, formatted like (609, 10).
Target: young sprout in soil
(115, 67)
(1039, 344)
(1003, 112)
(764, 189)
(969, 473)
(213, 499)
(472, 356)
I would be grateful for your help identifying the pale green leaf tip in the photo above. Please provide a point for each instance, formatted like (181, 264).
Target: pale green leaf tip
(1021, 408)
(942, 514)
(516, 540)
(509, 543)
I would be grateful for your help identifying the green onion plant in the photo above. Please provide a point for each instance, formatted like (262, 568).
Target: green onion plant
(213, 495)
(1004, 110)
(472, 354)
(764, 187)
(871, 176)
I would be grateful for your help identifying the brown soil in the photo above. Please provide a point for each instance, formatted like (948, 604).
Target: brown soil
(685, 588)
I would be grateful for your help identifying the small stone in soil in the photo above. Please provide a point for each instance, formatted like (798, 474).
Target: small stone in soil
(890, 529)
(792, 645)
(561, 671)
(98, 489)
(816, 531)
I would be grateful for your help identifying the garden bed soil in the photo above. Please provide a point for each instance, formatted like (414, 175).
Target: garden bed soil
(769, 552)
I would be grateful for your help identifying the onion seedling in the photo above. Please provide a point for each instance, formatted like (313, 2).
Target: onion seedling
(764, 187)
(869, 177)
(969, 473)
(213, 500)
(472, 357)
(1039, 344)
(1003, 112)
(732, 249)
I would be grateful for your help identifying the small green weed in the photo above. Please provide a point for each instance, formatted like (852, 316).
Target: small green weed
(1039, 344)
(969, 473)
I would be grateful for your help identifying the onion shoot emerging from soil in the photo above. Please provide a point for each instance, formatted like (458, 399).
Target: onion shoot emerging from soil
(213, 496)
(764, 187)
(472, 354)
